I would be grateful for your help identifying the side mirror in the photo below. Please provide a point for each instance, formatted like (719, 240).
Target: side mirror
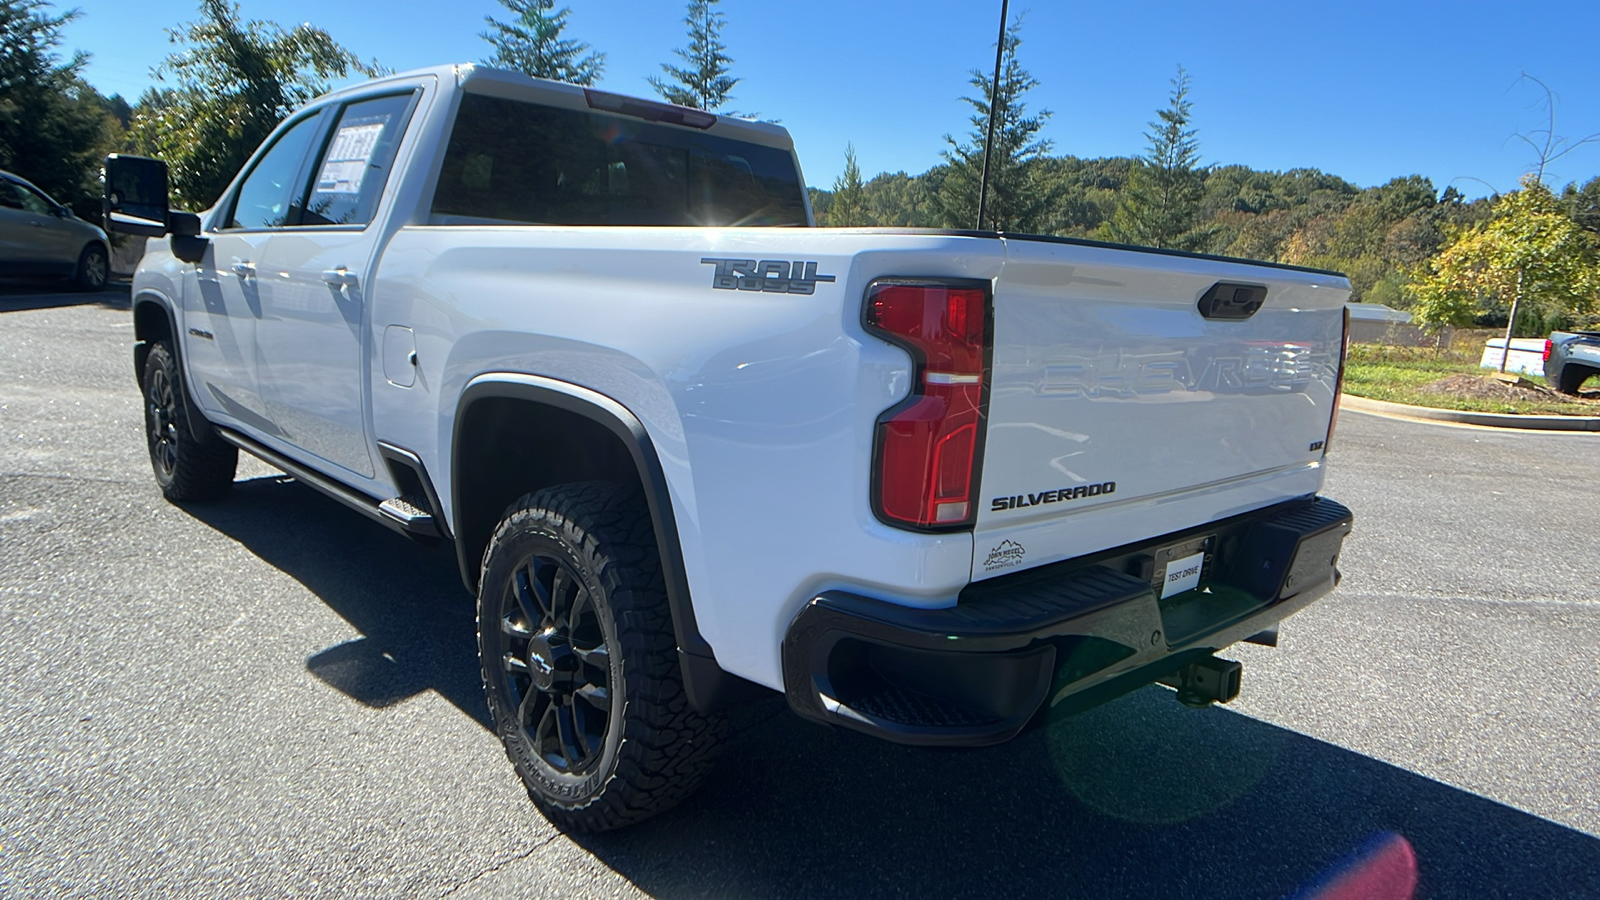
(135, 201)
(184, 224)
(187, 242)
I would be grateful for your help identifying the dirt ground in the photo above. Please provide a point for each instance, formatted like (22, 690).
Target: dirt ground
(1489, 388)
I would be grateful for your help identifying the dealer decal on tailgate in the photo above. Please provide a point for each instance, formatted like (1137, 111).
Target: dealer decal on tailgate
(1008, 554)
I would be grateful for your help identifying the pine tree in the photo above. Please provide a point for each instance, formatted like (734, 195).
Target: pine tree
(532, 44)
(706, 83)
(1160, 205)
(1018, 200)
(849, 207)
(54, 128)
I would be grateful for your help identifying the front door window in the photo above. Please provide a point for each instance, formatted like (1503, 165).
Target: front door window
(273, 192)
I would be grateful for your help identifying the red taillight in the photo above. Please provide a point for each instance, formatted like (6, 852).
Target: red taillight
(1548, 344)
(1338, 383)
(928, 445)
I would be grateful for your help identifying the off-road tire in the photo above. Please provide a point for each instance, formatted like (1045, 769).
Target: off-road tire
(186, 468)
(656, 749)
(1572, 378)
(94, 269)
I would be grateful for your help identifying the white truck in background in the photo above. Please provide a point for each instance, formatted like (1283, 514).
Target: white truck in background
(930, 485)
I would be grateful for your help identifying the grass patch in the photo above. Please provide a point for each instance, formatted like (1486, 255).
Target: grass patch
(1399, 374)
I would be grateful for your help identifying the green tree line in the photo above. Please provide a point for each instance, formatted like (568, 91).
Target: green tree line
(230, 80)
(1530, 254)
(1388, 239)
(54, 127)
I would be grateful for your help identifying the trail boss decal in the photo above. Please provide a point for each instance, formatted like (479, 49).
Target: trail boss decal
(1022, 501)
(775, 276)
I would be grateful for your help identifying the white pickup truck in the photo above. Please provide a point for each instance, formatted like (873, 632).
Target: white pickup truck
(931, 486)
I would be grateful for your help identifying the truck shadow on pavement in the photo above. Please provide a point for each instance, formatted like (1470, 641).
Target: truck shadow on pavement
(20, 296)
(417, 621)
(1137, 798)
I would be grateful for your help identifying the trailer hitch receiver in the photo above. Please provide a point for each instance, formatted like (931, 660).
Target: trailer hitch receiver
(1205, 682)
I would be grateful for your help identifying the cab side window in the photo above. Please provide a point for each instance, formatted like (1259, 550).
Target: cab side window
(271, 194)
(355, 164)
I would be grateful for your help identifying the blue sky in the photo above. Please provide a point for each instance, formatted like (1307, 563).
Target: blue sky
(1365, 90)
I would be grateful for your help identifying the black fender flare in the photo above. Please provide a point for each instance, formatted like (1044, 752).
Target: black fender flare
(622, 423)
(198, 423)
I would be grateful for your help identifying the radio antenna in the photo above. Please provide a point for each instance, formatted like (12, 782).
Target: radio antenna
(994, 102)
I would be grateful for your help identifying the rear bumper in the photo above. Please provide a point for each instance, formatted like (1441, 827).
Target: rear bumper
(1067, 635)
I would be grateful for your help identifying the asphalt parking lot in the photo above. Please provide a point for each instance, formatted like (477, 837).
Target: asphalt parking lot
(272, 696)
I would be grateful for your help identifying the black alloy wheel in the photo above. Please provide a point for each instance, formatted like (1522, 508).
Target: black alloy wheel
(557, 664)
(191, 461)
(161, 418)
(580, 660)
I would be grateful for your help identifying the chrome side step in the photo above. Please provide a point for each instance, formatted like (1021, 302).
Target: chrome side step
(410, 514)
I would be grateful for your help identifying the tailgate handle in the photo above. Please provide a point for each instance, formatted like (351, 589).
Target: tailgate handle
(1227, 300)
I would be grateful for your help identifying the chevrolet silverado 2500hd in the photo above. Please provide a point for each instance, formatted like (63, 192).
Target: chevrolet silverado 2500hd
(928, 485)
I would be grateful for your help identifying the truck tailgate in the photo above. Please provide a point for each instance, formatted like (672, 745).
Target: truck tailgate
(1117, 410)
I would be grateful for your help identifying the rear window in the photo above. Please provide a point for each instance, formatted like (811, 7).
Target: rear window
(510, 161)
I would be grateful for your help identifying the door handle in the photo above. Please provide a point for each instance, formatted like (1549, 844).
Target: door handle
(35, 224)
(244, 268)
(340, 277)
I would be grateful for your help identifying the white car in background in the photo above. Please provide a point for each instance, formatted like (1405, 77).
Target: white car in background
(1527, 355)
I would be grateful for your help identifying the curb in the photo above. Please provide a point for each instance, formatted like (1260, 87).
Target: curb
(1490, 420)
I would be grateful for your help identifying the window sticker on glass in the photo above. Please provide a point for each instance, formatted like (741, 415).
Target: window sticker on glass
(347, 159)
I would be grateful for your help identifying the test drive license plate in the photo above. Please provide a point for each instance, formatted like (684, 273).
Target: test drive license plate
(1180, 567)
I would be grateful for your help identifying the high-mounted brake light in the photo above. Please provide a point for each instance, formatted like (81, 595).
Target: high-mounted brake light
(1338, 383)
(928, 447)
(649, 110)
